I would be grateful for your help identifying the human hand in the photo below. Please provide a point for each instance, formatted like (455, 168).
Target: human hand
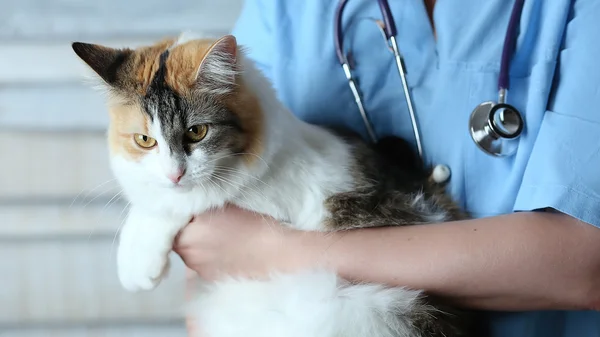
(236, 242)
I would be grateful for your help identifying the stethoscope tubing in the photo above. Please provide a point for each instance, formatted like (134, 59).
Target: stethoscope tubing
(388, 20)
(389, 30)
(508, 47)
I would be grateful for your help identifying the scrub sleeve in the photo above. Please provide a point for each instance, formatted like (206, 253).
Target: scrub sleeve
(563, 170)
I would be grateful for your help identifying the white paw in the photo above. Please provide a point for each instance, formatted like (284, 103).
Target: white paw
(145, 242)
(141, 269)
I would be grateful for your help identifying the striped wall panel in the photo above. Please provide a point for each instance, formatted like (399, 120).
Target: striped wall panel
(59, 212)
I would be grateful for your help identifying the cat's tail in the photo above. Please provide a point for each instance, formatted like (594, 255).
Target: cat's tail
(398, 152)
(314, 304)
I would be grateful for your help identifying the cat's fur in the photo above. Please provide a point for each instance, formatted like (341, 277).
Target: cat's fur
(259, 156)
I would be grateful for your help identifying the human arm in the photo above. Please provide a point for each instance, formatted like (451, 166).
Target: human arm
(521, 261)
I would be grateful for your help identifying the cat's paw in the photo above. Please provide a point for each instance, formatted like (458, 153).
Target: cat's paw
(141, 269)
(145, 243)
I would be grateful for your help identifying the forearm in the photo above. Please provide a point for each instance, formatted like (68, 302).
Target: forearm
(522, 261)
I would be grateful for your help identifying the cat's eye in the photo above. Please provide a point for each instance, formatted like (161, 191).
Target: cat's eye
(197, 132)
(144, 141)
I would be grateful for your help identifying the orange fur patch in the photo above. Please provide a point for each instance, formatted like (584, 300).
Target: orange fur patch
(247, 107)
(125, 121)
(144, 64)
(183, 63)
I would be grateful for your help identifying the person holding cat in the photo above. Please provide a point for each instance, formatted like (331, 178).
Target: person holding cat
(530, 258)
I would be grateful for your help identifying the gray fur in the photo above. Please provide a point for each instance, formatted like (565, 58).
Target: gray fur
(177, 114)
(394, 189)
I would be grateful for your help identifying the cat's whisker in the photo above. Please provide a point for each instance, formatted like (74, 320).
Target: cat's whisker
(239, 154)
(203, 188)
(97, 222)
(257, 156)
(112, 245)
(119, 228)
(90, 191)
(240, 172)
(117, 196)
(245, 184)
(271, 223)
(92, 230)
(220, 187)
(217, 185)
(96, 197)
(222, 157)
(235, 184)
(123, 210)
(239, 190)
(113, 200)
(240, 187)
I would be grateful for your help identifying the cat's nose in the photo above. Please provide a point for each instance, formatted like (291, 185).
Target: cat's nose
(175, 176)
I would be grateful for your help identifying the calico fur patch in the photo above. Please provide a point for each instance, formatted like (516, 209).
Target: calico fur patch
(179, 85)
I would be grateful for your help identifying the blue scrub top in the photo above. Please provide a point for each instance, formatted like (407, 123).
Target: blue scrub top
(555, 82)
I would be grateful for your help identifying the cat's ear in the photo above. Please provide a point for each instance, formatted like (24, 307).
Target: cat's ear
(105, 61)
(219, 68)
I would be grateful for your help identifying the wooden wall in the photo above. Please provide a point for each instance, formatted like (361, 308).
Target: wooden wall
(59, 211)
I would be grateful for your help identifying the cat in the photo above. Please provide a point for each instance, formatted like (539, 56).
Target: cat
(194, 125)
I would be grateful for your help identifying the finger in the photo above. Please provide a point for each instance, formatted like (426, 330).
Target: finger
(193, 234)
(179, 243)
(216, 215)
(190, 260)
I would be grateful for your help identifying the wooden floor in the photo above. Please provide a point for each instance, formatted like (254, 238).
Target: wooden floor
(59, 208)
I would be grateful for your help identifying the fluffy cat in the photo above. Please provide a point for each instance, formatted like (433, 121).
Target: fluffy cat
(194, 125)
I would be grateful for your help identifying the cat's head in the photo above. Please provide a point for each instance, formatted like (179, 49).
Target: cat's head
(179, 110)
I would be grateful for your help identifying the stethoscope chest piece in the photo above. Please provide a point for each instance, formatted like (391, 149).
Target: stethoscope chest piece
(495, 128)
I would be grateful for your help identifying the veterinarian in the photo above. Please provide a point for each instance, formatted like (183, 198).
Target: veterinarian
(530, 261)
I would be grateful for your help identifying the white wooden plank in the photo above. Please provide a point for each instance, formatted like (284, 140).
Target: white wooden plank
(109, 331)
(53, 107)
(43, 19)
(38, 165)
(52, 62)
(78, 221)
(40, 63)
(76, 282)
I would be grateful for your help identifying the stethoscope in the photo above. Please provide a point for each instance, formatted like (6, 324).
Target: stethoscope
(494, 127)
